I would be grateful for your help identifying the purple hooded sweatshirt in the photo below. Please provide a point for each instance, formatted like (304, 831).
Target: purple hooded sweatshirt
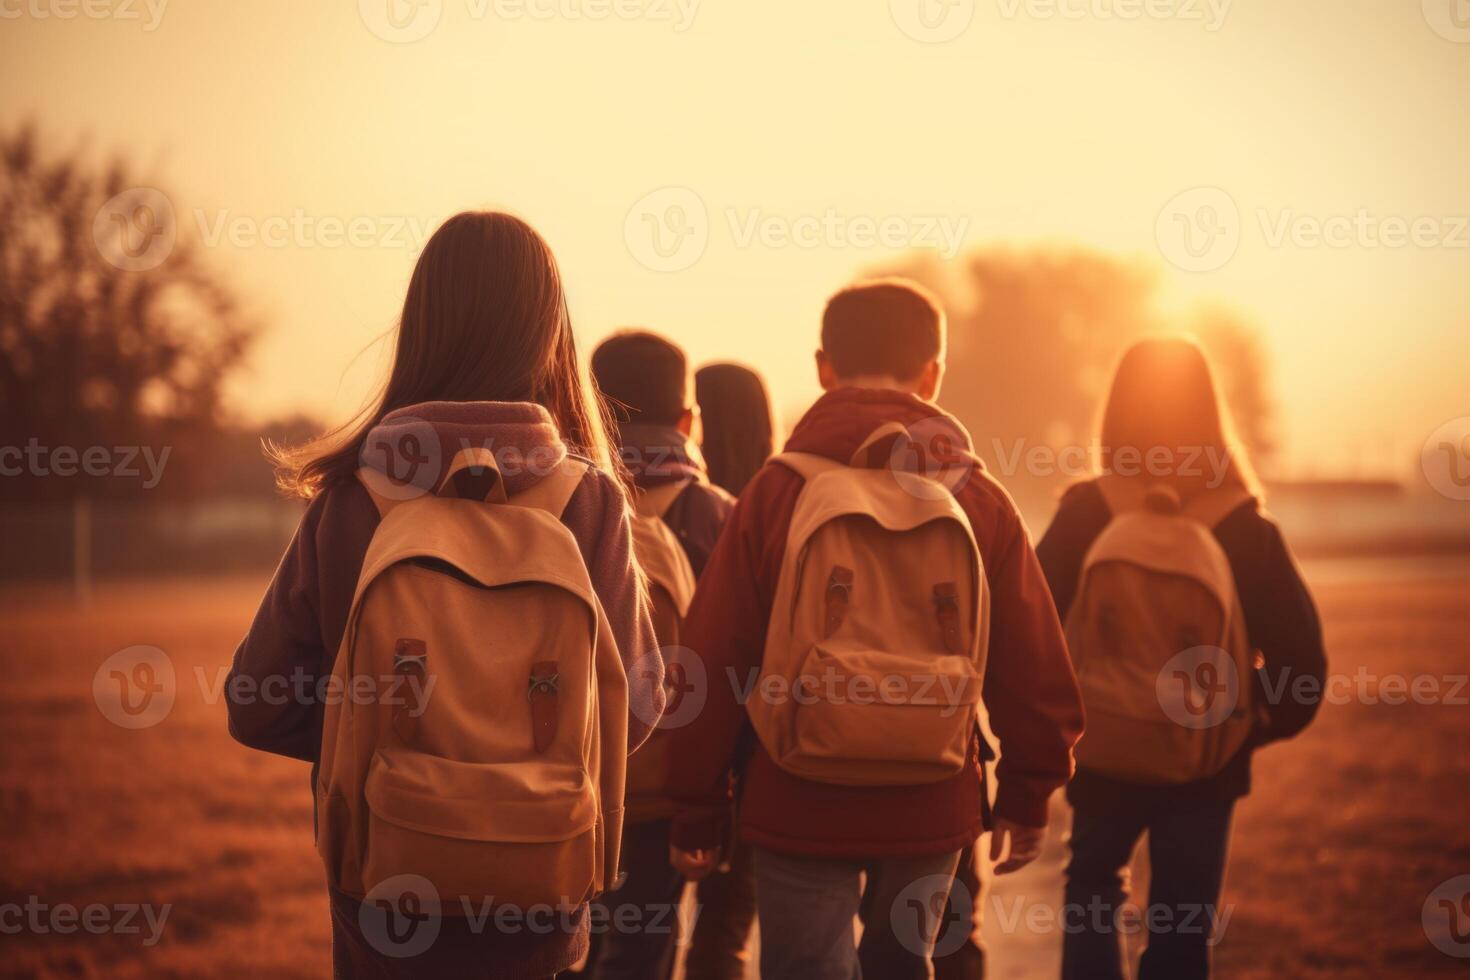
(299, 627)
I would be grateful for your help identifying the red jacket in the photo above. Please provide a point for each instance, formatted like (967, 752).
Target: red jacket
(1030, 691)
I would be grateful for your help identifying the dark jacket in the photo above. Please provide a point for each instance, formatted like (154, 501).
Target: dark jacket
(660, 454)
(1280, 617)
(299, 627)
(1029, 691)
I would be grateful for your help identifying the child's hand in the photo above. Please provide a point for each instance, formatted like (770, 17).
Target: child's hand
(694, 865)
(1025, 845)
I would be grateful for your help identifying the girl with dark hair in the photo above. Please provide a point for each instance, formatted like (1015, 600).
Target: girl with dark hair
(739, 431)
(484, 361)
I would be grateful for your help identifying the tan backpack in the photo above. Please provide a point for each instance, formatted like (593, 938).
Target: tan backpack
(481, 740)
(875, 653)
(671, 588)
(1159, 641)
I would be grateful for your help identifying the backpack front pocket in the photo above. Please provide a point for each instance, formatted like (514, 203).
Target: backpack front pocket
(529, 827)
(870, 717)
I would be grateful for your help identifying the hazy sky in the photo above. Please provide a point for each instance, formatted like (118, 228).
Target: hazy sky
(787, 145)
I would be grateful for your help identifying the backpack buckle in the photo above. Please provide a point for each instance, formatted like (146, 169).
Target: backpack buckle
(410, 665)
(839, 594)
(545, 679)
(947, 595)
(840, 582)
(404, 663)
(947, 611)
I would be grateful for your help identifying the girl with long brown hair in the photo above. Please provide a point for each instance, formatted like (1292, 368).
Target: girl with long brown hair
(1167, 444)
(484, 358)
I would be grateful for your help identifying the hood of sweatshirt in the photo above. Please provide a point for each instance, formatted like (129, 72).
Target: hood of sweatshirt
(658, 454)
(842, 420)
(417, 444)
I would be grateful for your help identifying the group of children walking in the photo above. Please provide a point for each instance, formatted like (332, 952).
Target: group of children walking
(572, 644)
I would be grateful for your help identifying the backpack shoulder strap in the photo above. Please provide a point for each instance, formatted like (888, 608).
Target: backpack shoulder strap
(807, 465)
(1209, 508)
(375, 483)
(1121, 494)
(656, 501)
(1213, 506)
(878, 447)
(554, 491)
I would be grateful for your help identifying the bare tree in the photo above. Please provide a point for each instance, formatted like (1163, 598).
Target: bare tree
(113, 331)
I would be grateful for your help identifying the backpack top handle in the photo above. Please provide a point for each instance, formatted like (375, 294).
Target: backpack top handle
(1126, 494)
(473, 475)
(876, 452)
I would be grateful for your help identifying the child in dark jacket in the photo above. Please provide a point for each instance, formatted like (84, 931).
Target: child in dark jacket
(881, 362)
(646, 379)
(484, 359)
(1164, 424)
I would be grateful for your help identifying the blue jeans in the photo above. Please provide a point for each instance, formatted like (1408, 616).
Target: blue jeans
(807, 906)
(1187, 848)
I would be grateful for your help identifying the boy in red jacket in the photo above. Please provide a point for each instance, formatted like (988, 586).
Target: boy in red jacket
(881, 361)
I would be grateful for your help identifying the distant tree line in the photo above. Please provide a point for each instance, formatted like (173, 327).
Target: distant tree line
(112, 361)
(1034, 334)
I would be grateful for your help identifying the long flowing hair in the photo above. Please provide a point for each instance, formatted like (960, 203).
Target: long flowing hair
(739, 430)
(485, 319)
(1166, 421)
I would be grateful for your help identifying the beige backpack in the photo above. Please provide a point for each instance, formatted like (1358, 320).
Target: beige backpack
(875, 653)
(481, 740)
(671, 588)
(1159, 641)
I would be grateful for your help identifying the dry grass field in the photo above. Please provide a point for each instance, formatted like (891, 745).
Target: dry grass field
(1349, 830)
